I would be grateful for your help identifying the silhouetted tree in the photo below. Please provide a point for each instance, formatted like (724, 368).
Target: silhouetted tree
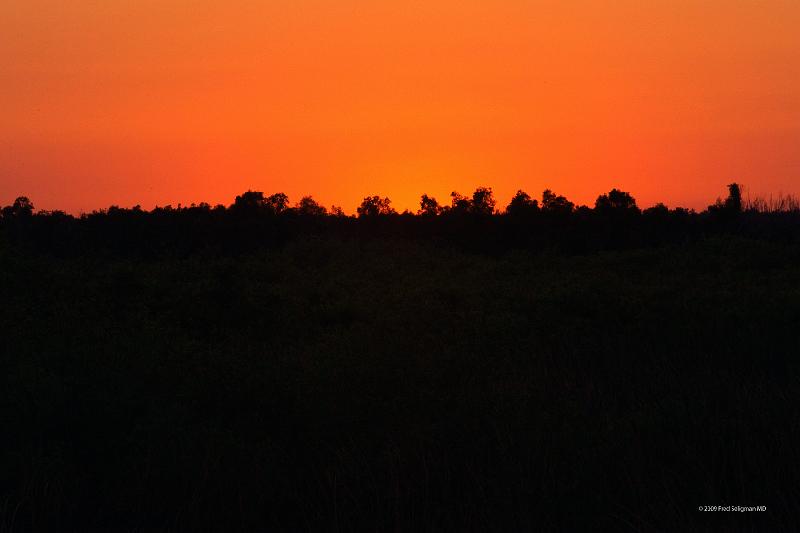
(277, 203)
(307, 206)
(22, 207)
(522, 203)
(459, 203)
(247, 201)
(373, 206)
(734, 200)
(253, 201)
(658, 210)
(428, 206)
(556, 204)
(732, 205)
(616, 201)
(483, 201)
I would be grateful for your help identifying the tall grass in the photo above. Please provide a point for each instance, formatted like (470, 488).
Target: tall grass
(780, 203)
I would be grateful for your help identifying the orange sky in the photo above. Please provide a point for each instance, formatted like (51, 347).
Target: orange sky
(165, 101)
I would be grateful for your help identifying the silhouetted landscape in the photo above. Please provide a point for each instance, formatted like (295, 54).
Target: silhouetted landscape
(473, 366)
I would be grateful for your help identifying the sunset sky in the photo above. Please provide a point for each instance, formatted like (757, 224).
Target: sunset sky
(165, 101)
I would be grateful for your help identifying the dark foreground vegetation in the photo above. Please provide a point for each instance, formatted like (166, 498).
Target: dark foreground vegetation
(474, 224)
(268, 368)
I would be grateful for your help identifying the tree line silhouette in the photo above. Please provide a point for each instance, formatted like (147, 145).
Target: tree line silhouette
(475, 222)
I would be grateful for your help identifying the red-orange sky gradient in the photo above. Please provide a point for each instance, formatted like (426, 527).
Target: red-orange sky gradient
(165, 101)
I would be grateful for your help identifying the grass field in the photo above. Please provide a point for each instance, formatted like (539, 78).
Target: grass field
(384, 385)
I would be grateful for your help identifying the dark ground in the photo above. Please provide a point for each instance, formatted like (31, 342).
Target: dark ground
(387, 385)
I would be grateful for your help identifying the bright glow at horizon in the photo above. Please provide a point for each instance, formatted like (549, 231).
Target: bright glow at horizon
(165, 101)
